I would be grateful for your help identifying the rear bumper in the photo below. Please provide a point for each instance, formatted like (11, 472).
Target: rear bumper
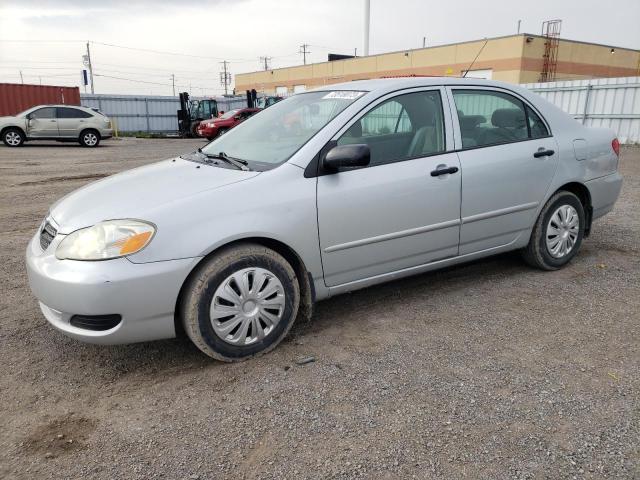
(604, 193)
(144, 294)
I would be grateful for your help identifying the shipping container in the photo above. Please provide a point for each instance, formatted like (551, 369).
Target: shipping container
(16, 97)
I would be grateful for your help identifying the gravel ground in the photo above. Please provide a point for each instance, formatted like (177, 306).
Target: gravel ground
(489, 370)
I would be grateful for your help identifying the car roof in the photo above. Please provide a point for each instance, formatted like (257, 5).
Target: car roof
(63, 105)
(383, 84)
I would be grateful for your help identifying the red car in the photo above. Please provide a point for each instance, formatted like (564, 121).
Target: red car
(217, 126)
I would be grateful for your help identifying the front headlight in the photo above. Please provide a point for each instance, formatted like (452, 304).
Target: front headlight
(106, 240)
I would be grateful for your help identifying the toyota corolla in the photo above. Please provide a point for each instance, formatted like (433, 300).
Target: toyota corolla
(325, 192)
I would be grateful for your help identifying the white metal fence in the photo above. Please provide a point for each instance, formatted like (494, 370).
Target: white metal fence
(601, 102)
(152, 114)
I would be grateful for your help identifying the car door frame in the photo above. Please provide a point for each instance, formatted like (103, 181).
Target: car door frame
(47, 133)
(531, 209)
(80, 123)
(314, 168)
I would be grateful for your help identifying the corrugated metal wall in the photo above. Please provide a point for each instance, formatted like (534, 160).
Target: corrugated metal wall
(16, 97)
(153, 114)
(602, 102)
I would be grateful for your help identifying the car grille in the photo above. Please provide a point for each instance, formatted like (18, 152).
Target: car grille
(47, 234)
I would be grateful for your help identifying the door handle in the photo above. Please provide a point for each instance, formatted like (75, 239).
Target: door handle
(543, 153)
(443, 171)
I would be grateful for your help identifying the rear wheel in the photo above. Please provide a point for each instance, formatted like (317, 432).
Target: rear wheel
(89, 138)
(558, 232)
(241, 303)
(13, 137)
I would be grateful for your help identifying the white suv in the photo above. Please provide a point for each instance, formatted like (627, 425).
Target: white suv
(56, 122)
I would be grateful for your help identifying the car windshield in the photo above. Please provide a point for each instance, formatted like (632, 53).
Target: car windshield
(271, 138)
(229, 114)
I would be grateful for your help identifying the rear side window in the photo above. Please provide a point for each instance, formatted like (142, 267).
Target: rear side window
(403, 127)
(492, 118)
(48, 112)
(63, 112)
(536, 126)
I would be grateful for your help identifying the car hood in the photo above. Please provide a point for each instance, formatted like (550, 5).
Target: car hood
(5, 120)
(132, 193)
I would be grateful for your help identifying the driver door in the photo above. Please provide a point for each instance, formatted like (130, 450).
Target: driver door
(42, 123)
(399, 212)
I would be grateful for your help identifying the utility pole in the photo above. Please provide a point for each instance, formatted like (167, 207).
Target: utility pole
(90, 66)
(265, 60)
(424, 42)
(225, 77)
(519, 26)
(367, 21)
(355, 52)
(21, 79)
(304, 51)
(173, 83)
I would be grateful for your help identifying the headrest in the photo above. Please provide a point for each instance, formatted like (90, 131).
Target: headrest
(508, 117)
(468, 122)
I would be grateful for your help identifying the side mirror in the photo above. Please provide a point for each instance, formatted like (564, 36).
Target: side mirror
(345, 156)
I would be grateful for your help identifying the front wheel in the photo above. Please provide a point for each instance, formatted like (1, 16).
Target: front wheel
(558, 232)
(13, 137)
(89, 138)
(240, 303)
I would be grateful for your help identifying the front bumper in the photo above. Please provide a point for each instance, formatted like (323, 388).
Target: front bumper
(143, 294)
(207, 132)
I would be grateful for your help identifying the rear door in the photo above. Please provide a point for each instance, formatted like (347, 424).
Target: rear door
(398, 212)
(42, 123)
(71, 121)
(508, 158)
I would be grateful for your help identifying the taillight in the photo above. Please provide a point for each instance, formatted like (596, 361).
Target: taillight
(615, 144)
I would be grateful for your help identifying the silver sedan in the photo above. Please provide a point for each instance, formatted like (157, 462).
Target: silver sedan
(323, 193)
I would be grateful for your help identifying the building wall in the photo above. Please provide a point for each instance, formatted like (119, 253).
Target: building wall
(511, 59)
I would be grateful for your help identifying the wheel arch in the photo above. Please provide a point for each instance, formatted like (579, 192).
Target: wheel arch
(307, 293)
(17, 127)
(581, 191)
(89, 129)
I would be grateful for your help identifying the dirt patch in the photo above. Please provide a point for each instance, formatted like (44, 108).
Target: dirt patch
(60, 436)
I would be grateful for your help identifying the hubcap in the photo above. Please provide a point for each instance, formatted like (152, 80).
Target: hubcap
(13, 138)
(247, 306)
(562, 231)
(90, 139)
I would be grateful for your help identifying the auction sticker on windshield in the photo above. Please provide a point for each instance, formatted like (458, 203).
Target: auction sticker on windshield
(344, 94)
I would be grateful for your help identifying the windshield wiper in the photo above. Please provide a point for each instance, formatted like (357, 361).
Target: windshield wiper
(236, 162)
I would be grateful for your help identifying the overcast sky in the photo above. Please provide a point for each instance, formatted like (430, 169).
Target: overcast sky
(46, 39)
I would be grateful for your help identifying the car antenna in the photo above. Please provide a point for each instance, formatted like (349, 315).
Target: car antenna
(474, 60)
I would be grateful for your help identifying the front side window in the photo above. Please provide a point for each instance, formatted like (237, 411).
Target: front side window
(403, 127)
(63, 112)
(48, 112)
(271, 138)
(488, 117)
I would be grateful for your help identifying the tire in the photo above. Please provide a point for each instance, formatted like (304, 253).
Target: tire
(222, 131)
(212, 287)
(210, 138)
(548, 250)
(13, 137)
(89, 138)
